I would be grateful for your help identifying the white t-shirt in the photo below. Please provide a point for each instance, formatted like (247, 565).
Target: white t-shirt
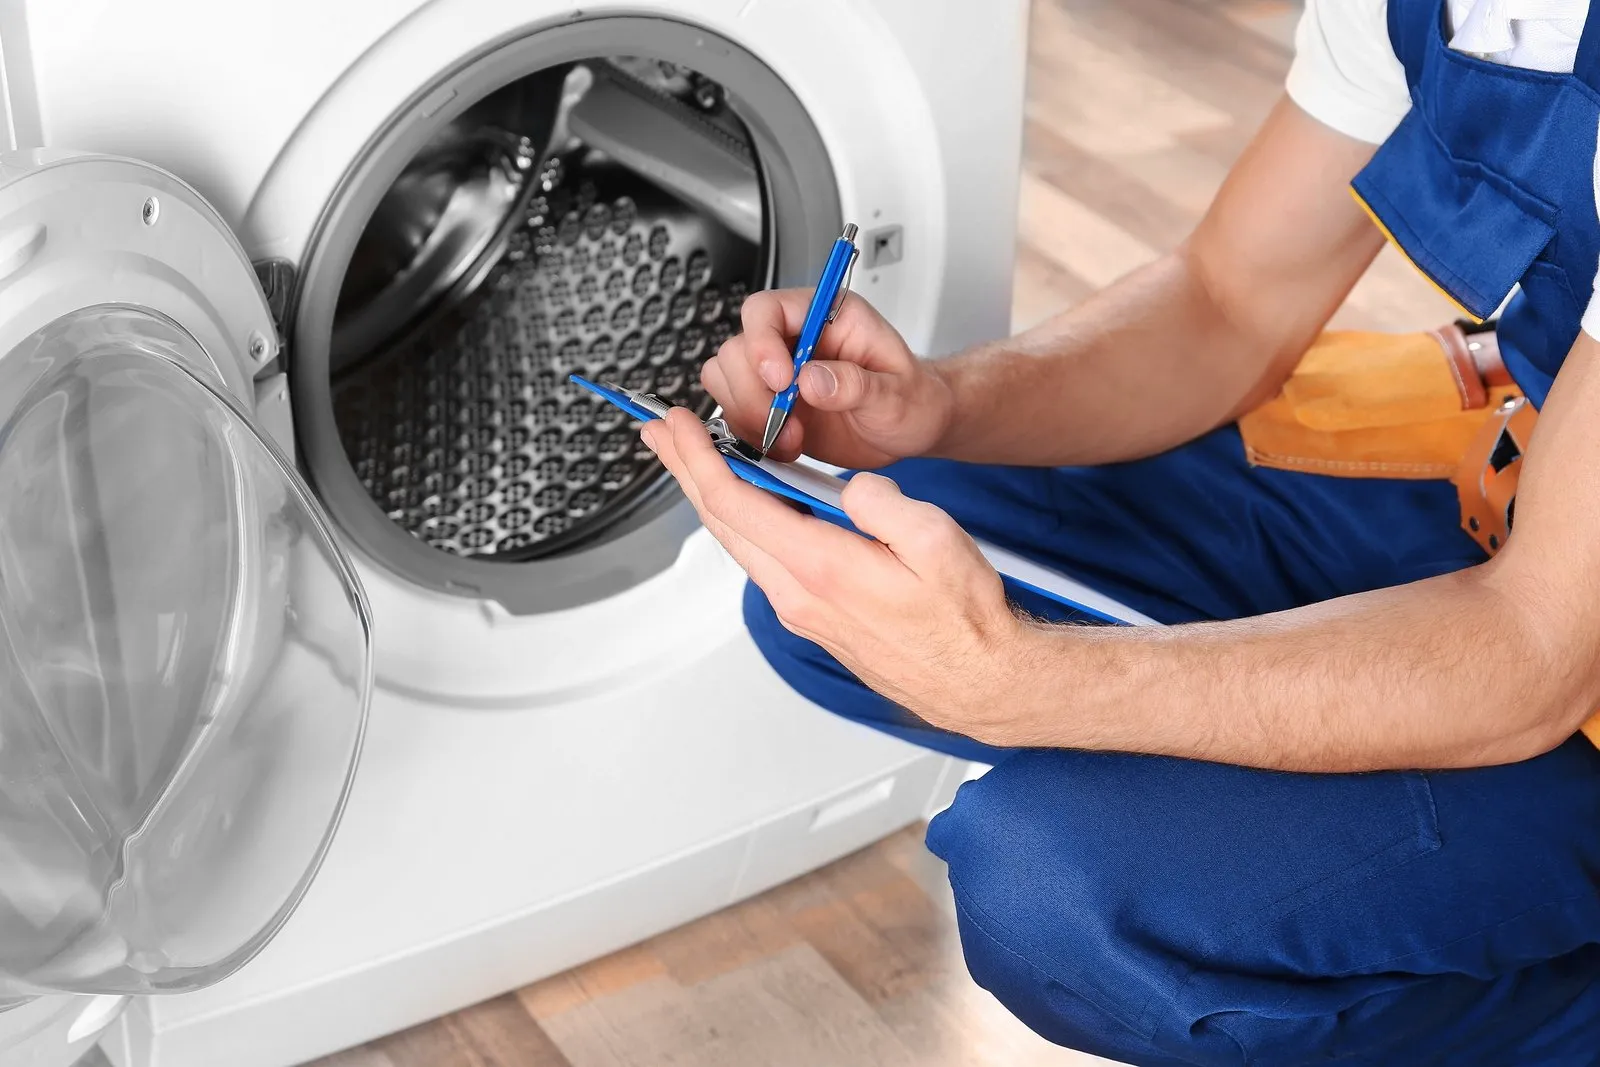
(1346, 75)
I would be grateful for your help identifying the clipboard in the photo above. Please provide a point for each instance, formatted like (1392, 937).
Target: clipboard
(820, 491)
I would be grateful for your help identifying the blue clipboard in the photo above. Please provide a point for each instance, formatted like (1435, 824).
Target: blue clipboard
(819, 491)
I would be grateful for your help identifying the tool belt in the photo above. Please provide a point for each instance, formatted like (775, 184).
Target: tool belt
(1486, 480)
(1437, 405)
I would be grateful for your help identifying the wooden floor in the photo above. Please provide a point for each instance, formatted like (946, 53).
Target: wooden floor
(1135, 109)
(856, 965)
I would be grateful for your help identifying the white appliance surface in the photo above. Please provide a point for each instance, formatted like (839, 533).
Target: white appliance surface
(539, 790)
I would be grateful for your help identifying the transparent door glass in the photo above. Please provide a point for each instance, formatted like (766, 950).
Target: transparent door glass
(184, 667)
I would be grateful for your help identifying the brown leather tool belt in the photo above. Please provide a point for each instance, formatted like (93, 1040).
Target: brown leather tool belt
(1487, 478)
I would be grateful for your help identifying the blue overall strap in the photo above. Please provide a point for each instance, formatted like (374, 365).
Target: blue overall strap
(1411, 24)
(1587, 66)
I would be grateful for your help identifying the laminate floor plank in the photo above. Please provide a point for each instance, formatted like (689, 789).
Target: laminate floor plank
(786, 1010)
(1226, 73)
(1074, 236)
(1041, 289)
(1273, 20)
(366, 1056)
(1097, 99)
(495, 1033)
(1117, 195)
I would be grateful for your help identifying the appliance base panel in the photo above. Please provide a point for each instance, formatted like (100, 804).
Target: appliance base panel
(455, 878)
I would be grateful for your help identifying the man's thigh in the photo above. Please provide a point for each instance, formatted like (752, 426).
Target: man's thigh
(1197, 533)
(1166, 911)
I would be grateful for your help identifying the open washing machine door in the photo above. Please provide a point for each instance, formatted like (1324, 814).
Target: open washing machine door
(184, 648)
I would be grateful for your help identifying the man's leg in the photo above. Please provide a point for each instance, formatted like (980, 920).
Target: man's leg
(1163, 911)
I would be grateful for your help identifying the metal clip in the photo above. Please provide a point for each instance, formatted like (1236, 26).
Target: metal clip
(729, 445)
(844, 287)
(649, 401)
(653, 404)
(721, 436)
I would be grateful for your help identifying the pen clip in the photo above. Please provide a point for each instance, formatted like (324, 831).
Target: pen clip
(844, 286)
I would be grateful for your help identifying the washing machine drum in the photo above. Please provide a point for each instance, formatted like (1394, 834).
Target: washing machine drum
(183, 659)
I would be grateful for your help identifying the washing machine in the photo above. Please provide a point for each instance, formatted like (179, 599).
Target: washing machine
(446, 207)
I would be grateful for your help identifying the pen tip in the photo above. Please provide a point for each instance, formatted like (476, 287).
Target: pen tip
(769, 438)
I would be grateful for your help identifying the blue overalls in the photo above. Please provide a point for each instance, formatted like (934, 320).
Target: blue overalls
(1162, 911)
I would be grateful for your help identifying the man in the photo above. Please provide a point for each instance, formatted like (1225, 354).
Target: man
(1344, 811)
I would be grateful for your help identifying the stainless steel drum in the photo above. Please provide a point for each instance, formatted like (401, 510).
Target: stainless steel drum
(500, 265)
(597, 196)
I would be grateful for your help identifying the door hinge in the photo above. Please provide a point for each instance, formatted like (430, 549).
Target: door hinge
(277, 282)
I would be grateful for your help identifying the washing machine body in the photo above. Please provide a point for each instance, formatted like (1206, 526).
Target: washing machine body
(451, 204)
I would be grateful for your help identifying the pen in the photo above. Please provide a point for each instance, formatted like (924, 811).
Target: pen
(824, 306)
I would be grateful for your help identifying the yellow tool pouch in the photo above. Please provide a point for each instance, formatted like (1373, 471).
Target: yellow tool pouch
(1374, 405)
(1435, 405)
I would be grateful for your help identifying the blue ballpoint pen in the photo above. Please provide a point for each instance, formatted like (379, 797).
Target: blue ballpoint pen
(824, 306)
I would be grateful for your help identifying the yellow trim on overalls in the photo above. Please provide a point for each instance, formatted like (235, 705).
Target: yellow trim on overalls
(1376, 221)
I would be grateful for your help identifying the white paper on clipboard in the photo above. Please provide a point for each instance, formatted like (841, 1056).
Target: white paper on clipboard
(826, 488)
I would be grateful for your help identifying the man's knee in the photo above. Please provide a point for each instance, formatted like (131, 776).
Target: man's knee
(823, 680)
(1165, 911)
(801, 663)
(804, 665)
(1055, 892)
(1047, 911)
(776, 643)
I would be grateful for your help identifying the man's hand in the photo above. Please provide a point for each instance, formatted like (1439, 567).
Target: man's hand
(917, 614)
(865, 399)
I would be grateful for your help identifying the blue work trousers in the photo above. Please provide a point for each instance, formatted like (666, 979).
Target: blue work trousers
(1161, 911)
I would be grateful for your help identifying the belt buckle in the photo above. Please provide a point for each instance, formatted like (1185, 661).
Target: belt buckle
(1487, 479)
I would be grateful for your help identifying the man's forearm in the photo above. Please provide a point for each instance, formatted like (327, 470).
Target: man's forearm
(1143, 366)
(1455, 671)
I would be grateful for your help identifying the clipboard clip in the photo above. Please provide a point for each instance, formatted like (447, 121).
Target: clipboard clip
(648, 401)
(722, 437)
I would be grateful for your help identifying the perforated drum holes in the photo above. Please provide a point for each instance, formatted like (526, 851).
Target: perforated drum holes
(467, 432)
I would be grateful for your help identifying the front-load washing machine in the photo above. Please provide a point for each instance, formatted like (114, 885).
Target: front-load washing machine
(449, 206)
